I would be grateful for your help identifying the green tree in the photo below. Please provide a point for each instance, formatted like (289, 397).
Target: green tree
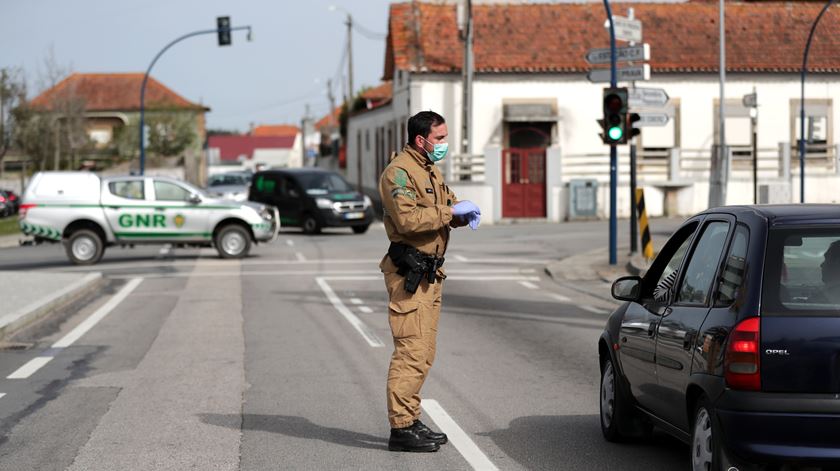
(12, 94)
(168, 135)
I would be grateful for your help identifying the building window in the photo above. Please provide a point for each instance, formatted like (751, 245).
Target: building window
(819, 139)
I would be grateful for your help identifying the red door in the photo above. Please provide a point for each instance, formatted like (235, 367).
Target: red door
(523, 183)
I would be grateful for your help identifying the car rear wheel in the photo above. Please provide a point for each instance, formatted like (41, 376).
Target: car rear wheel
(84, 247)
(705, 439)
(233, 241)
(310, 225)
(360, 229)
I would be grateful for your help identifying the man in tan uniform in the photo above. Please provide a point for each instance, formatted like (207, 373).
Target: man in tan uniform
(420, 210)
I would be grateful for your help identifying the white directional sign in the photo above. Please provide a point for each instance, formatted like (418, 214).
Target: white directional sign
(651, 119)
(638, 53)
(624, 74)
(626, 29)
(653, 97)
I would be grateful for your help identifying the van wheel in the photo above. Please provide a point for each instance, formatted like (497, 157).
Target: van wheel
(360, 229)
(233, 241)
(84, 247)
(705, 439)
(310, 225)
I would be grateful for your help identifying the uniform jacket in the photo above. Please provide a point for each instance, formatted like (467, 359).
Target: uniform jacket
(417, 205)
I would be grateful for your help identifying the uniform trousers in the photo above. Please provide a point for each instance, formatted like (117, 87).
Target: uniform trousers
(414, 323)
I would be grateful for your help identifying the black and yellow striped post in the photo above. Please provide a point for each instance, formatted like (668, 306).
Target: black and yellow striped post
(647, 243)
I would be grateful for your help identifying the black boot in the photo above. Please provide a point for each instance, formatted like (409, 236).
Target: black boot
(424, 430)
(410, 439)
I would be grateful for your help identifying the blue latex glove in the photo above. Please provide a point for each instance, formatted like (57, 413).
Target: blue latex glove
(475, 220)
(463, 208)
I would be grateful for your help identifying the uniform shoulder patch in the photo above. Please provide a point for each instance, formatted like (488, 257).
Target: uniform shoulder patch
(401, 177)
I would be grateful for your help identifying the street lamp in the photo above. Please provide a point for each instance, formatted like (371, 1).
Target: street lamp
(802, 105)
(219, 30)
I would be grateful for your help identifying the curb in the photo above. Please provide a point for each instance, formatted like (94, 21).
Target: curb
(9, 241)
(11, 323)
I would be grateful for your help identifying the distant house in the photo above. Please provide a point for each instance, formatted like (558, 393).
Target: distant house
(534, 128)
(266, 145)
(112, 101)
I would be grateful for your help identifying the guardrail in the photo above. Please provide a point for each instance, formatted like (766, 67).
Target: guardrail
(465, 167)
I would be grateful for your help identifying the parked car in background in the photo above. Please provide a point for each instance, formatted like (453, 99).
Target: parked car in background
(9, 203)
(312, 199)
(730, 341)
(231, 185)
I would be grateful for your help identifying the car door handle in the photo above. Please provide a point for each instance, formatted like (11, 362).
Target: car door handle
(160, 208)
(652, 328)
(114, 207)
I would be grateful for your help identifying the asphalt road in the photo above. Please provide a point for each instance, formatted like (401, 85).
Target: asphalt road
(278, 361)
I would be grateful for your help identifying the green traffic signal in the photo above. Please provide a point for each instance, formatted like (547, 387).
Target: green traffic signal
(615, 133)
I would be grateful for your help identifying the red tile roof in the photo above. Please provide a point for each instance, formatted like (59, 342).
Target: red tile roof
(330, 119)
(760, 37)
(115, 92)
(276, 130)
(232, 146)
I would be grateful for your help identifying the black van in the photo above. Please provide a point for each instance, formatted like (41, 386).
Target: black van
(312, 198)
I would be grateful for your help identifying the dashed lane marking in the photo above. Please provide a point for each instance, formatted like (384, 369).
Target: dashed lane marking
(290, 242)
(561, 298)
(355, 300)
(370, 337)
(300, 257)
(460, 258)
(528, 285)
(459, 439)
(463, 275)
(37, 363)
(365, 309)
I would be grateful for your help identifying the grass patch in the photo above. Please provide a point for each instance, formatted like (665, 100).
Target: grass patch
(9, 226)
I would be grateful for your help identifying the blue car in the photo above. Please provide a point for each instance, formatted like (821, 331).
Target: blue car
(731, 340)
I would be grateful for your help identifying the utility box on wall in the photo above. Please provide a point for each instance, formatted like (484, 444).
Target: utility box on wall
(583, 199)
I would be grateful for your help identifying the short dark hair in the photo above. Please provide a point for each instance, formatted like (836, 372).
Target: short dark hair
(421, 124)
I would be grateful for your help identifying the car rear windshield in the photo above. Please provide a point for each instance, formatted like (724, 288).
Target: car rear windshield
(323, 183)
(802, 272)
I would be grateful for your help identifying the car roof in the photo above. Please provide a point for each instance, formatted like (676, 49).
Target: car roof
(785, 214)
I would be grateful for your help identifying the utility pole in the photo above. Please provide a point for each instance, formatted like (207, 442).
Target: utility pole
(633, 223)
(720, 159)
(331, 97)
(467, 76)
(303, 123)
(754, 126)
(349, 57)
(613, 151)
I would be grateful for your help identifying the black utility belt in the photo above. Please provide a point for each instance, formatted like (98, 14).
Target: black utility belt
(414, 265)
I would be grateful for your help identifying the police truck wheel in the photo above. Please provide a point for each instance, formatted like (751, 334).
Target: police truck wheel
(310, 225)
(233, 242)
(360, 229)
(84, 247)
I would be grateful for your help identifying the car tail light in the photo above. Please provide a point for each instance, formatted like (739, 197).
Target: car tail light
(2, 199)
(12, 197)
(742, 368)
(24, 208)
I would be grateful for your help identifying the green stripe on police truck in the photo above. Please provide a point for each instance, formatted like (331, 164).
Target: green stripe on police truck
(156, 206)
(162, 234)
(40, 231)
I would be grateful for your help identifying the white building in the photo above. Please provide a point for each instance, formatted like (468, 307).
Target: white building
(534, 119)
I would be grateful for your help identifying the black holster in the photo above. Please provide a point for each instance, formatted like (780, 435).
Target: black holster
(414, 265)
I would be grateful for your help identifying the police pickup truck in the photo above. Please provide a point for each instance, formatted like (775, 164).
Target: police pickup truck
(88, 213)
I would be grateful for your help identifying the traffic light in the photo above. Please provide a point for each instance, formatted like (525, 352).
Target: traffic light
(223, 27)
(615, 116)
(631, 130)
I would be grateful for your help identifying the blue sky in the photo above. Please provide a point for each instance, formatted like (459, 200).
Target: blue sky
(297, 46)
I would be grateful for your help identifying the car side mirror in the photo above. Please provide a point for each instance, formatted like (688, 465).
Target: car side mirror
(194, 198)
(627, 288)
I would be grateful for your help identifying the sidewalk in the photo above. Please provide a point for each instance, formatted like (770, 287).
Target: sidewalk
(13, 240)
(591, 272)
(29, 296)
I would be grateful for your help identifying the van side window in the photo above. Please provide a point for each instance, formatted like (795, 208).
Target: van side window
(733, 273)
(130, 189)
(265, 184)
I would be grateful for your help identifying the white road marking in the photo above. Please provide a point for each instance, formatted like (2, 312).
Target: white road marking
(355, 300)
(164, 251)
(1, 395)
(528, 285)
(328, 276)
(97, 316)
(29, 368)
(560, 297)
(37, 363)
(458, 275)
(290, 242)
(460, 258)
(370, 337)
(365, 309)
(300, 257)
(594, 309)
(459, 439)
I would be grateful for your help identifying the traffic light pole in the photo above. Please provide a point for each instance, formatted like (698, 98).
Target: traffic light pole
(146, 79)
(613, 149)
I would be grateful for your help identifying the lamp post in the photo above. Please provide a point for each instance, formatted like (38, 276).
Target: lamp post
(149, 70)
(802, 104)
